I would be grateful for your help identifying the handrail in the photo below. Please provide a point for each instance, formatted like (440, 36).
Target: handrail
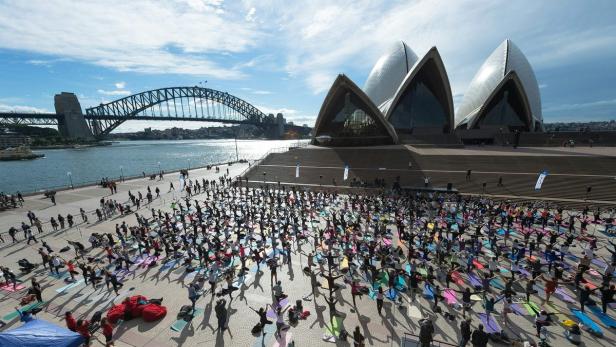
(256, 162)
(86, 183)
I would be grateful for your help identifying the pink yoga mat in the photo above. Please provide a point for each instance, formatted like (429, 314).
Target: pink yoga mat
(450, 296)
(149, 261)
(9, 287)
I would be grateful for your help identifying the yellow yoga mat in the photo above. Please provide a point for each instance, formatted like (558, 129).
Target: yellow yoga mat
(344, 264)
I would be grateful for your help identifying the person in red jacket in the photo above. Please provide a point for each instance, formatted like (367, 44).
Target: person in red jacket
(71, 323)
(107, 331)
(83, 328)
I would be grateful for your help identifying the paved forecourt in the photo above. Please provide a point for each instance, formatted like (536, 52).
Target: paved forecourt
(170, 284)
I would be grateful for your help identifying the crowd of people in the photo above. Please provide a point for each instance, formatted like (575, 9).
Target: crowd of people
(10, 200)
(475, 261)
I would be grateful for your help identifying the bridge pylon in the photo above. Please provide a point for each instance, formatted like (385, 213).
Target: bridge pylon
(71, 122)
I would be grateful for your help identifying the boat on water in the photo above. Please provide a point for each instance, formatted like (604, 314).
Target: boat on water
(18, 153)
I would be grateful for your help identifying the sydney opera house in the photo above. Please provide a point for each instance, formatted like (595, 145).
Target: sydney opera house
(402, 128)
(406, 98)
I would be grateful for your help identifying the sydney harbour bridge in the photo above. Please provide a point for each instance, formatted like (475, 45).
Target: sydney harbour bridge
(164, 104)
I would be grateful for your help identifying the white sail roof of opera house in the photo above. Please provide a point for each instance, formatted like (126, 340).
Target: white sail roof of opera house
(505, 60)
(387, 74)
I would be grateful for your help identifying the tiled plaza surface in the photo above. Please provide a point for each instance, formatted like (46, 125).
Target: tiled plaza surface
(385, 330)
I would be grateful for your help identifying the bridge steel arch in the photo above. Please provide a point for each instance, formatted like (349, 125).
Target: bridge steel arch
(226, 108)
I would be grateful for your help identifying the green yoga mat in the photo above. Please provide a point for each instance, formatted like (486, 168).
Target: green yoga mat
(180, 324)
(28, 307)
(532, 308)
(334, 329)
(384, 281)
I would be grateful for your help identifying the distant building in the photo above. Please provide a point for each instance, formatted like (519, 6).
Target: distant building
(11, 139)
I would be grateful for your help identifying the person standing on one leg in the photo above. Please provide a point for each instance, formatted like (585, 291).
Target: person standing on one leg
(379, 300)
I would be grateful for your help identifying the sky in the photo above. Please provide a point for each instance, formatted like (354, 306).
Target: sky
(282, 56)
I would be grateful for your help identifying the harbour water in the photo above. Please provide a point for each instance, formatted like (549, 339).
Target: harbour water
(128, 158)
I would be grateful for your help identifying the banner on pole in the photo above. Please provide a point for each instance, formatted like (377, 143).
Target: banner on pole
(540, 179)
(297, 170)
(346, 172)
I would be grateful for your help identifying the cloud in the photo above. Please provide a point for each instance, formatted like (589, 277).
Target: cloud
(581, 106)
(256, 91)
(130, 36)
(114, 92)
(250, 16)
(21, 108)
(40, 62)
(120, 85)
(322, 38)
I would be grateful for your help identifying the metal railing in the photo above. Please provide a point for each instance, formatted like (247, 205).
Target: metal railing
(88, 183)
(255, 164)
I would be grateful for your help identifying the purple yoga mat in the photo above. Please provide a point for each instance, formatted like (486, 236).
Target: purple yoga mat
(282, 304)
(489, 324)
(524, 272)
(599, 262)
(564, 296)
(474, 280)
(519, 310)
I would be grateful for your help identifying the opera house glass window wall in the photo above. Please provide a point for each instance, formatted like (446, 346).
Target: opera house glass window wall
(348, 117)
(422, 104)
(506, 109)
(352, 121)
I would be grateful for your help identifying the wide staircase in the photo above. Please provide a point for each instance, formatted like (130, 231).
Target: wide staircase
(569, 176)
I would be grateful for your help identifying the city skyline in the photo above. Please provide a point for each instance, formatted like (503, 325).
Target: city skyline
(283, 57)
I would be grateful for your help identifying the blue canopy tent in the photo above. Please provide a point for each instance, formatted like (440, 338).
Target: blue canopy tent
(37, 332)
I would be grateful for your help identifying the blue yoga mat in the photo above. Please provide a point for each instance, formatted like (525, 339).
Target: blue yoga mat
(604, 318)
(495, 282)
(594, 327)
(168, 264)
(428, 292)
(391, 294)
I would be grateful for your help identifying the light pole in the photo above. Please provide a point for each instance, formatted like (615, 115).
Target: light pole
(122, 173)
(237, 157)
(159, 170)
(188, 163)
(70, 178)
